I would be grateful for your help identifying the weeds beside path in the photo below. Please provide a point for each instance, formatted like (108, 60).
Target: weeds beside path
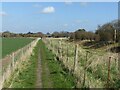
(54, 74)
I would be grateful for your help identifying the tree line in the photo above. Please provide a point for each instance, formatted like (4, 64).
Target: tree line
(29, 34)
(107, 32)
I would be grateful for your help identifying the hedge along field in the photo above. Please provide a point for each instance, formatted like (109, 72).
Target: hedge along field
(10, 45)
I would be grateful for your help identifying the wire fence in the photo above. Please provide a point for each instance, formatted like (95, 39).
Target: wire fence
(91, 68)
(10, 62)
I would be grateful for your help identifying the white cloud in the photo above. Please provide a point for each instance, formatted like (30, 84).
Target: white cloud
(3, 13)
(49, 9)
(83, 3)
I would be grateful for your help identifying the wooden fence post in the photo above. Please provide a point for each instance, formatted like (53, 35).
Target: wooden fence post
(13, 61)
(75, 58)
(51, 44)
(108, 80)
(67, 54)
(84, 77)
(22, 52)
(60, 49)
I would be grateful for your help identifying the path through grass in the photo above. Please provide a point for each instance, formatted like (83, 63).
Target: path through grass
(53, 75)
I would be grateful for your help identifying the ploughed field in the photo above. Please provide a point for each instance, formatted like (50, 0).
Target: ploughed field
(10, 45)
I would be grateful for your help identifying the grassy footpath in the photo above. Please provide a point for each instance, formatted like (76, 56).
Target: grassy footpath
(53, 74)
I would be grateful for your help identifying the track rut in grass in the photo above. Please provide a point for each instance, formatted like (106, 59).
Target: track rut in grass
(39, 70)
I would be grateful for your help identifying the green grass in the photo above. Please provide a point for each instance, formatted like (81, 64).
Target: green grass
(97, 72)
(10, 45)
(57, 76)
(26, 77)
(53, 74)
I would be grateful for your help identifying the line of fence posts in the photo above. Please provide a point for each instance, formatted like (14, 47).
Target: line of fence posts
(12, 65)
(59, 51)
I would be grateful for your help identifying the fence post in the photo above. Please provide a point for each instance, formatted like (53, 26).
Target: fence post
(67, 54)
(84, 77)
(115, 62)
(108, 81)
(13, 62)
(60, 49)
(22, 52)
(49, 43)
(75, 57)
(52, 46)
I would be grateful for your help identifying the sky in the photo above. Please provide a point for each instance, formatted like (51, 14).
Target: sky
(23, 17)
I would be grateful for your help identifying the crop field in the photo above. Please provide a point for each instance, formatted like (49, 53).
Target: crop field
(92, 68)
(10, 45)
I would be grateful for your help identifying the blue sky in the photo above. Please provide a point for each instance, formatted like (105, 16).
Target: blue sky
(56, 16)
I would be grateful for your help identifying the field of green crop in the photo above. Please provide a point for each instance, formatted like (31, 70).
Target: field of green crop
(10, 45)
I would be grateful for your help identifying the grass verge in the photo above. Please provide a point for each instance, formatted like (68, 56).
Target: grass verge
(55, 76)
(25, 75)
